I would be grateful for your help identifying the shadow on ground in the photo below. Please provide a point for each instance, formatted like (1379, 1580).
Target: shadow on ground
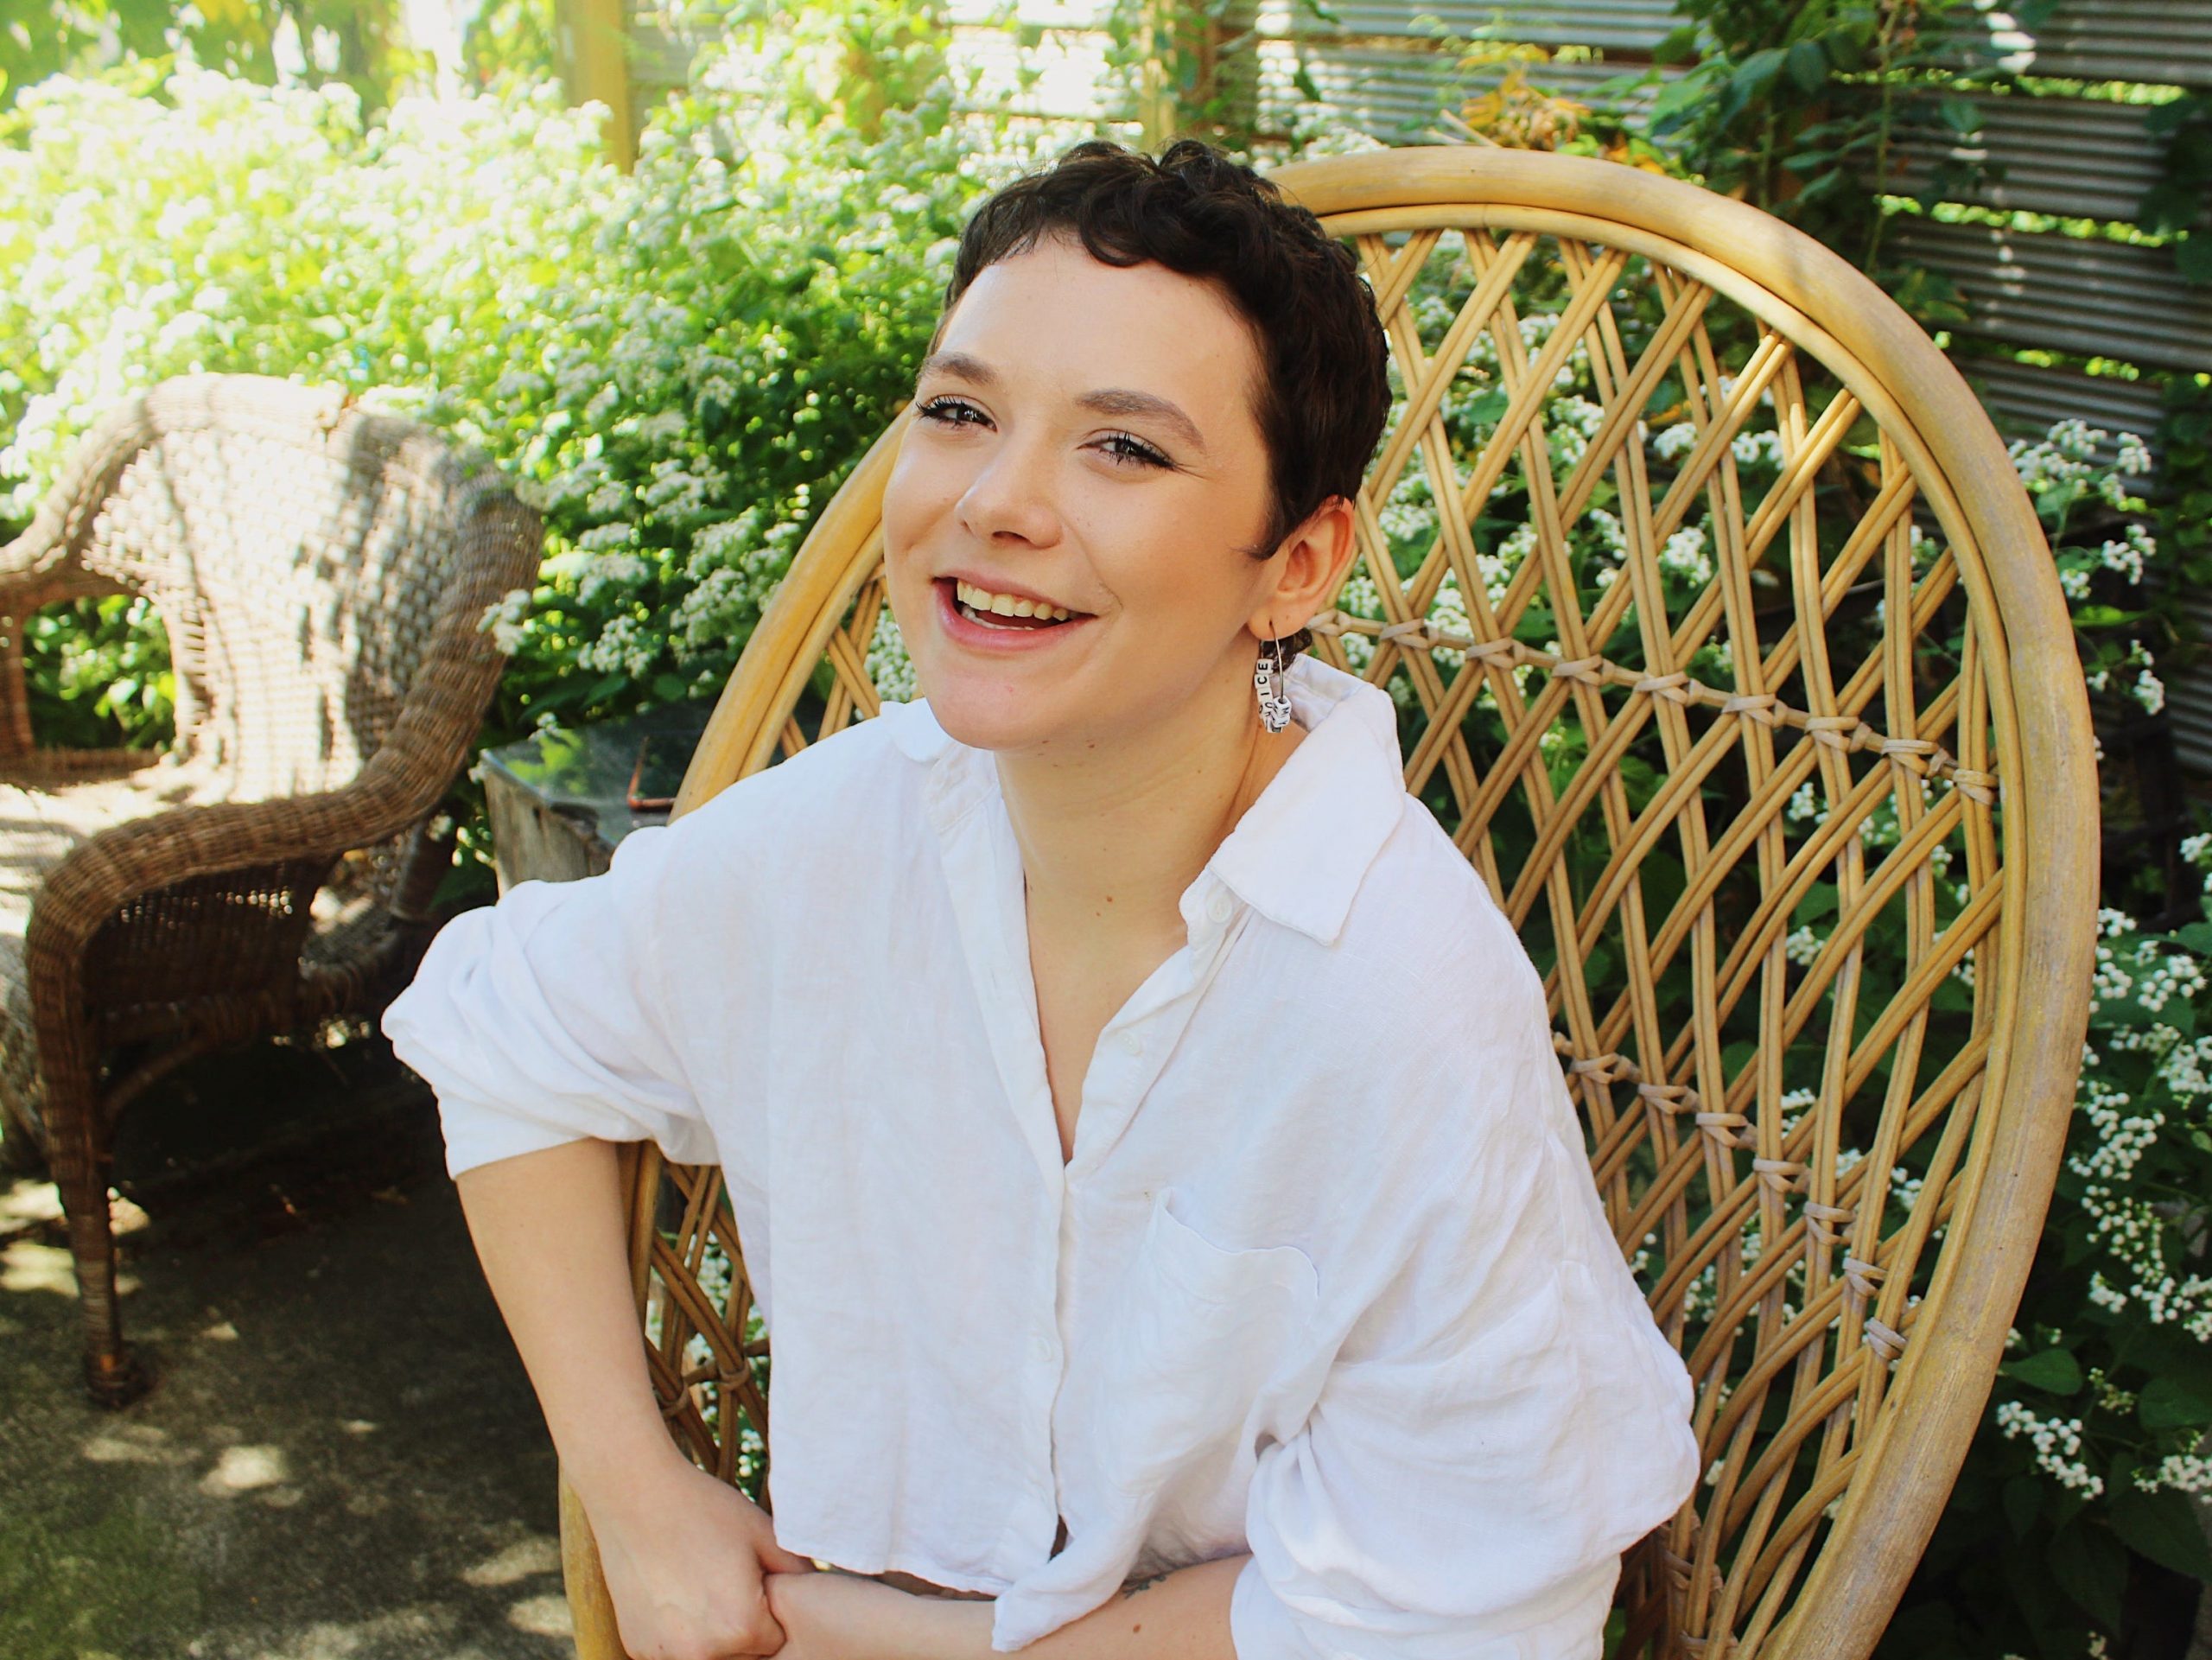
(340, 1458)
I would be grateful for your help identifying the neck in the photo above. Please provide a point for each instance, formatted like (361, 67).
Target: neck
(1113, 831)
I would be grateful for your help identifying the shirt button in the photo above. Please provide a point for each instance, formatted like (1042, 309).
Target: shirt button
(1220, 905)
(1131, 1044)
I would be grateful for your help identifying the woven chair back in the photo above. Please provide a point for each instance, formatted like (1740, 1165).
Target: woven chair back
(1728, 647)
(298, 551)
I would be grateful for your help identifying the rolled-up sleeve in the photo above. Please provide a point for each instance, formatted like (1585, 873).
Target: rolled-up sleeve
(543, 1019)
(1504, 1422)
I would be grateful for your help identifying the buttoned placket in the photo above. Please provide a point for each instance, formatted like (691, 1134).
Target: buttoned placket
(984, 876)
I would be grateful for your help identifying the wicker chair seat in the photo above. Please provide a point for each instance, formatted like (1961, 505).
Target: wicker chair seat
(42, 823)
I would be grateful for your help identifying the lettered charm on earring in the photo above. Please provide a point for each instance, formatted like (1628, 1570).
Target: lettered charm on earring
(1268, 682)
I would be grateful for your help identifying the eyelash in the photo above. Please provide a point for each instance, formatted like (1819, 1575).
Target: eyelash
(941, 410)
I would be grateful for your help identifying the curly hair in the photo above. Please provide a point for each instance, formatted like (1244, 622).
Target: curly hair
(1326, 394)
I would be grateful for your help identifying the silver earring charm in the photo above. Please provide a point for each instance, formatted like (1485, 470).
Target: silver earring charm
(1268, 682)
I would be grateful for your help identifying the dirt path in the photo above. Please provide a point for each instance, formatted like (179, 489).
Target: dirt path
(341, 1458)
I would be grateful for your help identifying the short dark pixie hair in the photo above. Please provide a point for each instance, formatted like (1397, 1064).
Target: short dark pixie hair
(1324, 393)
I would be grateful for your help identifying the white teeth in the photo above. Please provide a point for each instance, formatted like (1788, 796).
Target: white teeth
(1006, 605)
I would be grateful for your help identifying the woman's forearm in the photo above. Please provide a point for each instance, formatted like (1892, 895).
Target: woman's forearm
(1181, 1615)
(548, 1229)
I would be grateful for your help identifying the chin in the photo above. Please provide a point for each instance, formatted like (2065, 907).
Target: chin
(990, 718)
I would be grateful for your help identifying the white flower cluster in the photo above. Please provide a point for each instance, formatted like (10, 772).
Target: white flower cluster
(1575, 421)
(2187, 1473)
(1671, 441)
(2121, 1141)
(2057, 1443)
(1686, 556)
(1756, 449)
(890, 671)
(1803, 945)
(506, 618)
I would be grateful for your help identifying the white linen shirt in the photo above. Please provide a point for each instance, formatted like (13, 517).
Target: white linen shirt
(1327, 1278)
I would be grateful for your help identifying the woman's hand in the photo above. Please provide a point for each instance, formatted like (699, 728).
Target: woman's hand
(684, 1555)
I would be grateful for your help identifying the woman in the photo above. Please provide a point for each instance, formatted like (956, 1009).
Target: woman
(1143, 1126)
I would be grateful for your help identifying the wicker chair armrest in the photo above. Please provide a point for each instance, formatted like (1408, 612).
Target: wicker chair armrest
(208, 839)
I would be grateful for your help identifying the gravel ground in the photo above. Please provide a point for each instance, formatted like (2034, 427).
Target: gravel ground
(341, 1456)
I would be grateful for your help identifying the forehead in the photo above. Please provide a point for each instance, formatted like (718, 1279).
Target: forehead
(1055, 314)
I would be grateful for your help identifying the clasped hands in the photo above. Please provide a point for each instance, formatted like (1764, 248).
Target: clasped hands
(695, 1573)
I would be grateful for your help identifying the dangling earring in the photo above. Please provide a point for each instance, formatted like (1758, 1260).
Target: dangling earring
(1266, 682)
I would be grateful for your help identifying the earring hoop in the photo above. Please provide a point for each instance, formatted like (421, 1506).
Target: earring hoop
(1268, 685)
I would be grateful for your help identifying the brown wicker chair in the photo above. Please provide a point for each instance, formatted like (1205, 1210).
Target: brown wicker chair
(321, 571)
(1829, 1158)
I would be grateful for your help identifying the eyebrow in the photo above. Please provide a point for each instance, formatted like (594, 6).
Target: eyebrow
(1108, 401)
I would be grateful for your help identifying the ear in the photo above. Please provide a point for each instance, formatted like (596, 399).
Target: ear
(1316, 557)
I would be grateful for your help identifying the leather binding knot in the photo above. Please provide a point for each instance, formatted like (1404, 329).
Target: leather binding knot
(1834, 730)
(1673, 687)
(1587, 670)
(1825, 1222)
(1863, 1279)
(1606, 1068)
(1724, 1127)
(1329, 622)
(1884, 1341)
(1755, 706)
(1781, 1174)
(1669, 1099)
(1975, 787)
(1912, 755)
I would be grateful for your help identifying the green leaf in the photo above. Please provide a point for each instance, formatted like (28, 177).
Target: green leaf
(1807, 66)
(1961, 115)
(2023, 1502)
(2162, 1526)
(2197, 936)
(1679, 45)
(2091, 1569)
(2193, 257)
(2054, 1371)
(2169, 1403)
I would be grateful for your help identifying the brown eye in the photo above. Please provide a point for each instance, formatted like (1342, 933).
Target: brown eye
(1134, 448)
(947, 412)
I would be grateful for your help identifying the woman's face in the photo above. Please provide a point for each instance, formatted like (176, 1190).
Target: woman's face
(1085, 436)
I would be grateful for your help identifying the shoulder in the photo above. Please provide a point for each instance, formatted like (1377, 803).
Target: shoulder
(842, 784)
(1426, 936)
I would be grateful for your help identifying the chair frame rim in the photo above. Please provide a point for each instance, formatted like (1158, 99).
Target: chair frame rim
(2043, 738)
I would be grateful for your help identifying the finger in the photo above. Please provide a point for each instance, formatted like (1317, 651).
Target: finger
(777, 1560)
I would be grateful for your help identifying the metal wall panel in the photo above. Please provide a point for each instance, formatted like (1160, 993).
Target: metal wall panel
(2167, 42)
(2080, 157)
(1633, 26)
(2026, 400)
(2069, 294)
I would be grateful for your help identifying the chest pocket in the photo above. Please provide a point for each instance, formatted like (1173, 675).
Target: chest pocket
(1204, 1330)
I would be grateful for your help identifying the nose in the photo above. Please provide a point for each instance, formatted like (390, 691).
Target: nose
(1012, 495)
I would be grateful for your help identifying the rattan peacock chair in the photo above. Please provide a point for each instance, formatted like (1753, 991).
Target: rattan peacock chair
(1729, 648)
(320, 571)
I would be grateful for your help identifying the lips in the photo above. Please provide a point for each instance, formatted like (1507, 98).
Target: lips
(982, 632)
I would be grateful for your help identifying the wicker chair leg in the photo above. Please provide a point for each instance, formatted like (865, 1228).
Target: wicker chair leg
(113, 1375)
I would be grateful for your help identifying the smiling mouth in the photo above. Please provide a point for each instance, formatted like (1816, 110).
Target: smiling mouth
(1000, 619)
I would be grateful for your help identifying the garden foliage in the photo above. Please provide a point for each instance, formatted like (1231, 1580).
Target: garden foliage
(679, 365)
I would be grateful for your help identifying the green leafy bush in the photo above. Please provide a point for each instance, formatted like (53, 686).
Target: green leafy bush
(678, 366)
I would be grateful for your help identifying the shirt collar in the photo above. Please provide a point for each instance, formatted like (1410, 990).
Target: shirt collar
(1301, 849)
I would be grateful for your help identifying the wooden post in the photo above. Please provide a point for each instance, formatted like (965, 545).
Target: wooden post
(594, 38)
(1155, 95)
